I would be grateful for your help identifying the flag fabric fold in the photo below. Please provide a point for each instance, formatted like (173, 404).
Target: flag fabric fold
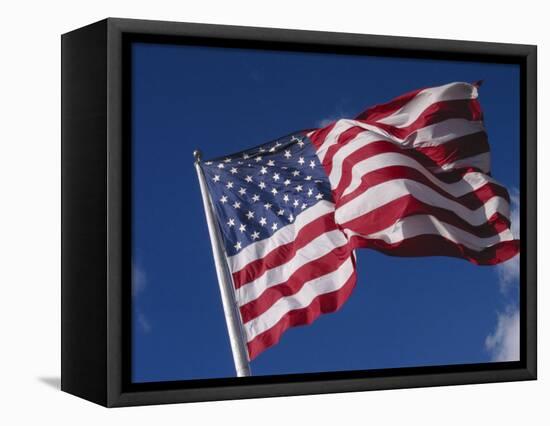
(408, 178)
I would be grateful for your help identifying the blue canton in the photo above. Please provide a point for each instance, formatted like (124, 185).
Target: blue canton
(259, 191)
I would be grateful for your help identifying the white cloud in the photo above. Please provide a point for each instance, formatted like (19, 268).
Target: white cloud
(508, 272)
(143, 323)
(503, 343)
(139, 283)
(139, 279)
(326, 121)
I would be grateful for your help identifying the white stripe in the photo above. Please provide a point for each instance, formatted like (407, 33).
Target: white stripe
(480, 161)
(409, 113)
(470, 181)
(315, 249)
(380, 195)
(312, 289)
(332, 137)
(283, 236)
(442, 132)
(413, 226)
(360, 141)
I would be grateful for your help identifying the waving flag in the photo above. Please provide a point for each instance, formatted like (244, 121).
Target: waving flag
(409, 178)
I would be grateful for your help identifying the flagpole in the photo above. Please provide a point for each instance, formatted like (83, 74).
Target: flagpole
(231, 312)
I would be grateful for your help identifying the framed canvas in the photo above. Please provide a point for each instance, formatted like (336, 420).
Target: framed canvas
(255, 212)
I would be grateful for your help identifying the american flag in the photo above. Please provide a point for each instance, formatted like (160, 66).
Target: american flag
(409, 178)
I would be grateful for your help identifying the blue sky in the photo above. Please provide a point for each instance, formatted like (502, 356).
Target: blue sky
(403, 312)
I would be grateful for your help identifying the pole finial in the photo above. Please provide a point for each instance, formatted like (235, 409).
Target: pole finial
(197, 155)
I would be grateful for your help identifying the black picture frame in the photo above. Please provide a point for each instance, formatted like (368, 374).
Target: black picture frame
(96, 206)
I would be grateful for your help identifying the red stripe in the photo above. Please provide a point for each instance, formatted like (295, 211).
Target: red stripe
(468, 109)
(314, 269)
(389, 214)
(285, 252)
(322, 304)
(381, 111)
(472, 200)
(381, 147)
(319, 136)
(456, 149)
(436, 245)
(343, 139)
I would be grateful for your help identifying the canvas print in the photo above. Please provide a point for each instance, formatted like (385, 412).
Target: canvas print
(302, 212)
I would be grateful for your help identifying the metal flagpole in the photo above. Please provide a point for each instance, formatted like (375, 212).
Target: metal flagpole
(232, 315)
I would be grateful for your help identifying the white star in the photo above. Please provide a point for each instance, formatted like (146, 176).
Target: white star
(263, 170)
(301, 161)
(262, 150)
(248, 179)
(262, 185)
(208, 163)
(246, 156)
(258, 159)
(295, 173)
(263, 221)
(285, 198)
(271, 163)
(242, 191)
(291, 217)
(274, 191)
(272, 149)
(242, 228)
(238, 245)
(231, 223)
(274, 226)
(277, 144)
(281, 212)
(223, 199)
(255, 235)
(250, 215)
(255, 197)
(298, 188)
(276, 177)
(319, 196)
(268, 206)
(300, 143)
(288, 154)
(220, 166)
(310, 192)
(287, 182)
(229, 185)
(304, 206)
(236, 205)
(227, 160)
(308, 177)
(216, 178)
(295, 203)
(312, 164)
(233, 170)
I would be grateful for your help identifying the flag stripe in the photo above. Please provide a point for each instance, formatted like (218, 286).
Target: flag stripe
(369, 146)
(386, 192)
(390, 213)
(322, 304)
(480, 190)
(328, 283)
(436, 245)
(285, 252)
(283, 236)
(411, 111)
(414, 226)
(299, 277)
(314, 250)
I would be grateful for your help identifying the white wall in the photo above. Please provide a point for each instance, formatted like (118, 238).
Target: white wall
(30, 199)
